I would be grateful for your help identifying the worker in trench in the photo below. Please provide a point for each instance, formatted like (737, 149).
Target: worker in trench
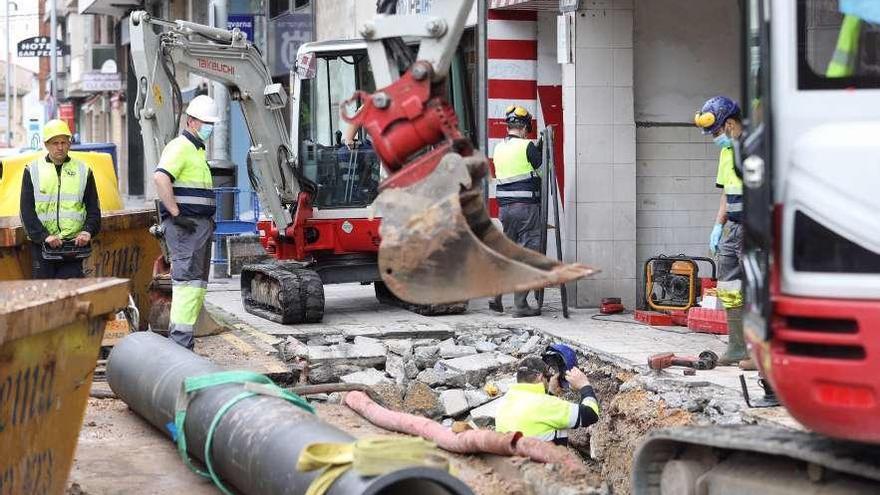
(518, 191)
(532, 405)
(721, 117)
(184, 185)
(59, 207)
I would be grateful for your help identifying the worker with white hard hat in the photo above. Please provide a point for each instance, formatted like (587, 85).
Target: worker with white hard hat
(59, 207)
(184, 185)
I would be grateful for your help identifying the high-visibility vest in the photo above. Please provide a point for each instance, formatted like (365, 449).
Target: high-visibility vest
(512, 161)
(192, 184)
(58, 199)
(732, 184)
(846, 53)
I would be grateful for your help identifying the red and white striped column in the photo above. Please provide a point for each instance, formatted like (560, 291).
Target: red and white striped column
(512, 67)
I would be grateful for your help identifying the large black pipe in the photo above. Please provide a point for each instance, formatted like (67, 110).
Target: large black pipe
(258, 441)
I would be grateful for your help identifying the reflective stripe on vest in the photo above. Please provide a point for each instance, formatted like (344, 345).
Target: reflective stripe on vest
(58, 199)
(516, 194)
(516, 178)
(511, 159)
(192, 185)
(846, 54)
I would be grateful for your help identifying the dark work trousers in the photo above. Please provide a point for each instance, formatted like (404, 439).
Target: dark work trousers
(46, 269)
(730, 250)
(190, 265)
(522, 224)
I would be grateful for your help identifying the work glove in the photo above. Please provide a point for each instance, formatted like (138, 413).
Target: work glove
(185, 223)
(715, 238)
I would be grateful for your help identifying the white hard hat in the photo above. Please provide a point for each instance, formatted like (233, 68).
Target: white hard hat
(202, 107)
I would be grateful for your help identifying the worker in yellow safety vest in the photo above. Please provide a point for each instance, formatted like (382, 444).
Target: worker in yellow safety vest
(722, 118)
(518, 191)
(59, 207)
(528, 407)
(183, 183)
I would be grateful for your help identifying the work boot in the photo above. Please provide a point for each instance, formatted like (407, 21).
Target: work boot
(736, 344)
(521, 306)
(496, 304)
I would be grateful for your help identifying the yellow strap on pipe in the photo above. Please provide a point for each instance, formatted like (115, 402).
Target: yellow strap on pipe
(369, 456)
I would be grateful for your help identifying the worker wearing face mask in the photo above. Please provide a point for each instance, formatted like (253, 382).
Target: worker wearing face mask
(721, 117)
(184, 185)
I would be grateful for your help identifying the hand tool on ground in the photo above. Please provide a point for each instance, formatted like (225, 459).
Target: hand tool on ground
(705, 361)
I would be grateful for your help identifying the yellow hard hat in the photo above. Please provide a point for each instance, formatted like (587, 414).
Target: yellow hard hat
(55, 127)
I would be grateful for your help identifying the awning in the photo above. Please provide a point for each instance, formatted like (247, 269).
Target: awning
(107, 7)
(540, 5)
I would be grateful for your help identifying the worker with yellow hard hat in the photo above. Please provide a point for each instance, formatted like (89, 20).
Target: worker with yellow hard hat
(60, 210)
(183, 183)
(518, 191)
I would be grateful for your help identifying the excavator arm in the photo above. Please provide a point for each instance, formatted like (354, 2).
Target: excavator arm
(439, 244)
(157, 46)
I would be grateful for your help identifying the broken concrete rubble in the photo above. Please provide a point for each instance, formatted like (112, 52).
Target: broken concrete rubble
(330, 372)
(485, 346)
(425, 357)
(476, 367)
(364, 354)
(454, 402)
(531, 346)
(476, 398)
(401, 347)
(368, 377)
(484, 416)
(449, 349)
(430, 377)
(395, 368)
(420, 399)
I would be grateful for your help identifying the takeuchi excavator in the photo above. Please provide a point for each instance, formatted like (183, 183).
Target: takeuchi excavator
(419, 229)
(810, 164)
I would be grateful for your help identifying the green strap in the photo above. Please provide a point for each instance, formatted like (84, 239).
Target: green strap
(254, 384)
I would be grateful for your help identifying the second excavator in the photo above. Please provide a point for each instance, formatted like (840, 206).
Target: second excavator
(422, 234)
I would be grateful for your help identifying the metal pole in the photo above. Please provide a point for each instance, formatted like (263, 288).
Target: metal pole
(8, 75)
(53, 56)
(220, 142)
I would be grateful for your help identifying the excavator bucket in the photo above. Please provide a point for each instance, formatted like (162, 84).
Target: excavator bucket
(440, 246)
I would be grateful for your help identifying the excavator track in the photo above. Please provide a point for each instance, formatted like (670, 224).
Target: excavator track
(385, 296)
(753, 459)
(282, 292)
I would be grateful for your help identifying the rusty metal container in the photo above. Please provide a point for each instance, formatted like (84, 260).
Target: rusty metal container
(124, 248)
(50, 335)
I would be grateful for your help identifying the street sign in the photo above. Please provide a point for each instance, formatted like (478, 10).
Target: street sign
(569, 5)
(288, 32)
(40, 46)
(95, 81)
(244, 23)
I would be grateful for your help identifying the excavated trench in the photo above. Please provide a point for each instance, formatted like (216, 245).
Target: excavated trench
(430, 383)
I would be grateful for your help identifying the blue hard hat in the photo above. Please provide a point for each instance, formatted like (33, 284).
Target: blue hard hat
(562, 358)
(715, 113)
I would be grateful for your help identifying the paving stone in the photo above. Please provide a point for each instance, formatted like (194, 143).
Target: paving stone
(400, 330)
(369, 377)
(476, 398)
(425, 357)
(476, 367)
(454, 402)
(448, 350)
(531, 346)
(484, 416)
(422, 401)
(330, 372)
(485, 346)
(361, 340)
(402, 347)
(326, 340)
(365, 354)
